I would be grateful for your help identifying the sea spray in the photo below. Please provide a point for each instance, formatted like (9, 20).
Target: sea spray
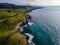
(30, 41)
(30, 23)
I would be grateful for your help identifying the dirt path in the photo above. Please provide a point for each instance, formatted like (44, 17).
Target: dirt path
(16, 30)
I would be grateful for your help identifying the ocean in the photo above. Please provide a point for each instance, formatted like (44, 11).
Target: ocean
(46, 26)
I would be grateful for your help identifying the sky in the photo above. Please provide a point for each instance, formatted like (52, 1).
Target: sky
(33, 2)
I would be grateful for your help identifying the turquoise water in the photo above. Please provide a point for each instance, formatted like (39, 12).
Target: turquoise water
(46, 27)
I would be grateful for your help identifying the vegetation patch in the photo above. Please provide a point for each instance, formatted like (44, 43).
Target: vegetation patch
(9, 18)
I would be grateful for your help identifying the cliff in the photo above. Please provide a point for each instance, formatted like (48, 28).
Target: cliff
(11, 21)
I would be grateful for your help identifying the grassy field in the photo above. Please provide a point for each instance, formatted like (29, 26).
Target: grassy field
(9, 18)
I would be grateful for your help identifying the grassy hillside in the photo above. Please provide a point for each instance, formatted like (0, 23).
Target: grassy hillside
(9, 18)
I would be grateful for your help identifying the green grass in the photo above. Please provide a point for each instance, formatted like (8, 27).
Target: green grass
(12, 17)
(9, 18)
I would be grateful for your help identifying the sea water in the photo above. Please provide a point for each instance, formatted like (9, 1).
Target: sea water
(46, 26)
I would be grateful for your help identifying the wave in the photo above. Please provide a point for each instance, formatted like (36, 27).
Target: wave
(30, 41)
(30, 23)
(30, 38)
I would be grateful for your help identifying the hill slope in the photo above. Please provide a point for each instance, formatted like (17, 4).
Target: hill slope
(9, 19)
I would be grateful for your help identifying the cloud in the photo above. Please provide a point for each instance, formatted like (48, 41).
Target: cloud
(18, 2)
(46, 2)
(32, 2)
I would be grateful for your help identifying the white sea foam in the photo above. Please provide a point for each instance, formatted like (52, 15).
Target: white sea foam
(30, 23)
(30, 39)
(21, 29)
(28, 34)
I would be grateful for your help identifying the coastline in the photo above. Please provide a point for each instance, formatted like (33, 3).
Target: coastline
(19, 29)
(27, 22)
(12, 21)
(10, 30)
(16, 32)
(28, 36)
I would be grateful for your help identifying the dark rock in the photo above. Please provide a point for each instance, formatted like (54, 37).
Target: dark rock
(27, 37)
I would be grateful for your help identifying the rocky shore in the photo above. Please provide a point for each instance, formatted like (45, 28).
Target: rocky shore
(20, 25)
(24, 23)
